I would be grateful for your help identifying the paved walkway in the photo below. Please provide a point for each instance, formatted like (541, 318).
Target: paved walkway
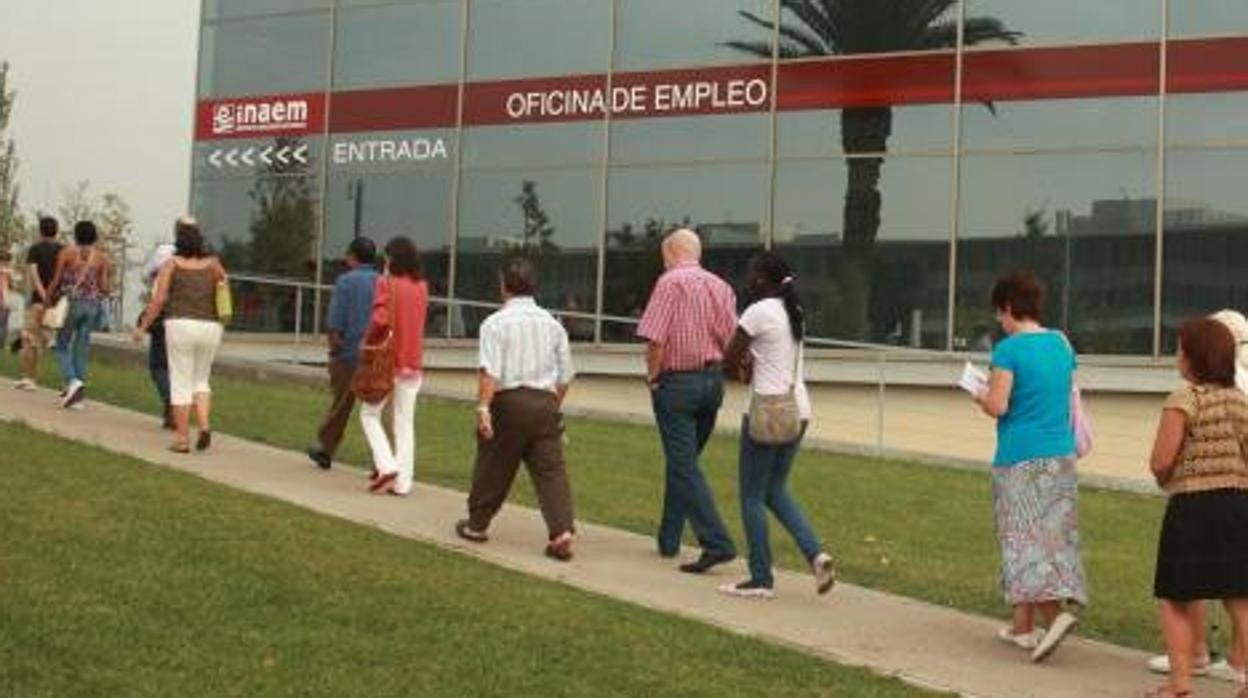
(923, 644)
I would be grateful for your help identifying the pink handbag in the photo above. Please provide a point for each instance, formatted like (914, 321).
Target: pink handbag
(1080, 423)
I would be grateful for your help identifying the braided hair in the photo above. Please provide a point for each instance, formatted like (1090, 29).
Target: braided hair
(779, 283)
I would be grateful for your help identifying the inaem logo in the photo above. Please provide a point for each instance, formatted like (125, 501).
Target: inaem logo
(259, 116)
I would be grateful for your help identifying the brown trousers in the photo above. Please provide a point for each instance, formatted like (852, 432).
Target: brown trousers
(334, 425)
(528, 427)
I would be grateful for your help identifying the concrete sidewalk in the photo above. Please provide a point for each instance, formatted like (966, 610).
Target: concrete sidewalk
(923, 644)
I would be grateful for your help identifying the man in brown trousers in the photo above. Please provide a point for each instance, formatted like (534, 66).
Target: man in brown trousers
(525, 368)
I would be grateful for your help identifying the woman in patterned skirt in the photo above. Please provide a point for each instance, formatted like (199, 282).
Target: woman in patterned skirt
(1034, 485)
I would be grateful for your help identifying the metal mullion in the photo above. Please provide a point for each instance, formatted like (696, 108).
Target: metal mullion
(458, 172)
(1159, 246)
(769, 214)
(605, 179)
(199, 67)
(956, 185)
(324, 173)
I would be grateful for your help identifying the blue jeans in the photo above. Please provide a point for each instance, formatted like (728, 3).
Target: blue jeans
(685, 404)
(764, 474)
(158, 360)
(73, 341)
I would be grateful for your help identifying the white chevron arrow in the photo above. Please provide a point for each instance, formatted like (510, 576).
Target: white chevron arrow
(246, 157)
(264, 155)
(214, 158)
(283, 155)
(232, 157)
(301, 153)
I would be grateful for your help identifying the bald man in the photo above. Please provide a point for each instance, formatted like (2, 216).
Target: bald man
(687, 325)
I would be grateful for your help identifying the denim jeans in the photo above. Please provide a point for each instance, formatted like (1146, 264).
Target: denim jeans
(158, 360)
(73, 341)
(685, 404)
(764, 474)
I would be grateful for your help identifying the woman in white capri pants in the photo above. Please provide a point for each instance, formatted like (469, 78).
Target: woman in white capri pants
(186, 290)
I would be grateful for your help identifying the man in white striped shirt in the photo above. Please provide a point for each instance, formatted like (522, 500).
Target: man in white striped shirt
(525, 369)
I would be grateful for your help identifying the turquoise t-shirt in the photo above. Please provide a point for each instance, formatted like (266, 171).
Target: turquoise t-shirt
(1037, 423)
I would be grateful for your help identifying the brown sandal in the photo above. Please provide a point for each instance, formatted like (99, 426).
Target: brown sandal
(1167, 692)
(180, 448)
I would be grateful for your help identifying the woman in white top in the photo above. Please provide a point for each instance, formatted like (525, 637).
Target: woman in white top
(766, 352)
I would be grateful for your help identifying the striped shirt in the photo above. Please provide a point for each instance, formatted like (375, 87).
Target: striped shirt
(692, 314)
(523, 346)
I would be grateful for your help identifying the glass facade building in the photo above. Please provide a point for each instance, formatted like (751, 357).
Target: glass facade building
(899, 154)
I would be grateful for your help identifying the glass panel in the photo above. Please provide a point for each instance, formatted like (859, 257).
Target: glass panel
(222, 9)
(260, 307)
(533, 144)
(553, 214)
(1084, 223)
(1206, 241)
(517, 39)
(397, 45)
(743, 137)
(264, 225)
(725, 204)
(381, 206)
(819, 133)
(892, 286)
(1066, 21)
(649, 34)
(1064, 123)
(265, 56)
(1208, 17)
(1206, 118)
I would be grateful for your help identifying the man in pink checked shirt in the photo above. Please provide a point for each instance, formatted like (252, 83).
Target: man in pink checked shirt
(688, 323)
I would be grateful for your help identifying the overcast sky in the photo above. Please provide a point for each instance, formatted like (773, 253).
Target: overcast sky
(106, 91)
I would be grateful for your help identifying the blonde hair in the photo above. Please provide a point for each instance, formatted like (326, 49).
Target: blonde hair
(1238, 325)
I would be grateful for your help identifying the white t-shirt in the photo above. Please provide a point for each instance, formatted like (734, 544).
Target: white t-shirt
(772, 347)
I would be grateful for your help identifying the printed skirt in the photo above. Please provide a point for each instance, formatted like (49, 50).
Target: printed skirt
(1203, 550)
(1035, 503)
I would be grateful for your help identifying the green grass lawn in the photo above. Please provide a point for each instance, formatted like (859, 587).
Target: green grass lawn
(912, 529)
(120, 578)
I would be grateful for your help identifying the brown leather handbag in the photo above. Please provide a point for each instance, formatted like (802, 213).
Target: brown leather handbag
(374, 376)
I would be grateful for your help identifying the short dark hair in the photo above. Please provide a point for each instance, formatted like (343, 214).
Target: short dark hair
(48, 227)
(1021, 294)
(188, 241)
(519, 275)
(403, 258)
(1209, 348)
(363, 249)
(85, 233)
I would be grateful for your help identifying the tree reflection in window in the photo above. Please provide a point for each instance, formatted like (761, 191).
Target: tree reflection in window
(815, 28)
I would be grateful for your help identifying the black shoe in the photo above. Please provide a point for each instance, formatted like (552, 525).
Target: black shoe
(706, 561)
(168, 424)
(204, 441)
(320, 457)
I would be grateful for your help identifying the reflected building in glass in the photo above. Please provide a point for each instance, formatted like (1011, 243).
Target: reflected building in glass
(899, 155)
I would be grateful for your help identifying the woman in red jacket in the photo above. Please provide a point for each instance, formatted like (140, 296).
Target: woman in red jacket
(403, 286)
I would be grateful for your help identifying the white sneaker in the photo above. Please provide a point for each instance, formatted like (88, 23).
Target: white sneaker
(1223, 671)
(825, 573)
(748, 590)
(1160, 664)
(1026, 641)
(24, 384)
(73, 393)
(1062, 626)
(77, 406)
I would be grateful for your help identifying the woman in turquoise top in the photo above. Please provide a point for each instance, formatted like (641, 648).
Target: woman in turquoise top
(1034, 485)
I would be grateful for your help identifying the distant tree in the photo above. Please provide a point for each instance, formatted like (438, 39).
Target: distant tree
(78, 204)
(537, 230)
(115, 224)
(1035, 225)
(12, 223)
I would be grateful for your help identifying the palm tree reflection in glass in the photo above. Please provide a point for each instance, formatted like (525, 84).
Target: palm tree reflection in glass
(854, 27)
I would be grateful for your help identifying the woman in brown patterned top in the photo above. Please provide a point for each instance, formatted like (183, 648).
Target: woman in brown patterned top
(1200, 458)
(186, 290)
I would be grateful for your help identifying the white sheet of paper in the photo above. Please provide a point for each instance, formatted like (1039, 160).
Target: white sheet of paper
(974, 380)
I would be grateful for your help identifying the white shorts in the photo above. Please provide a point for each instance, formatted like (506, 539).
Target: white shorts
(192, 347)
